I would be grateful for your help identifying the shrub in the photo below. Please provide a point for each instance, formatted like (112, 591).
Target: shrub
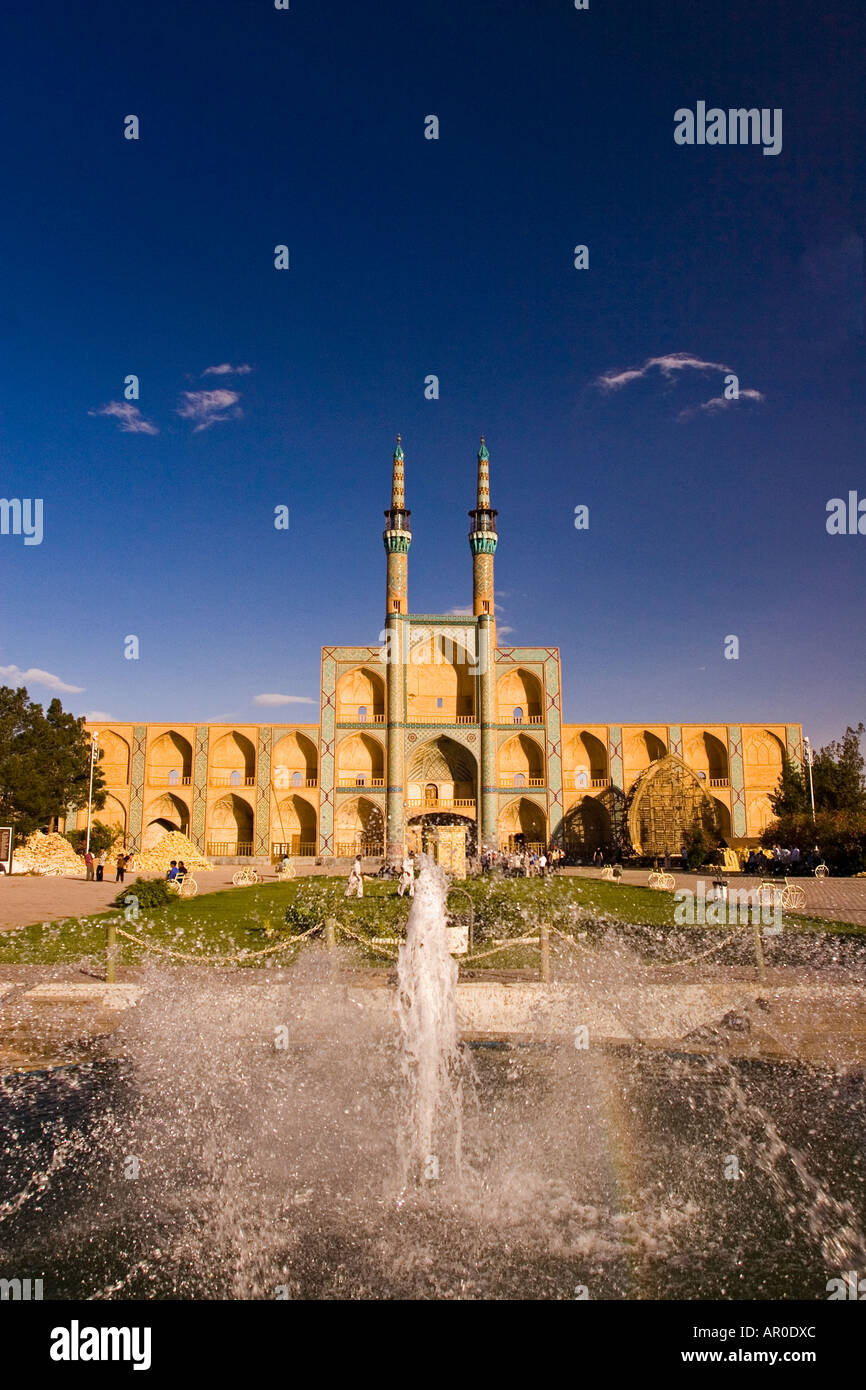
(102, 837)
(150, 892)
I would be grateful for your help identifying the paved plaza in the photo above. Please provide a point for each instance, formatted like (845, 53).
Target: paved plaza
(25, 899)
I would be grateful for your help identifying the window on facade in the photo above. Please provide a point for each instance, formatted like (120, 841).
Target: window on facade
(519, 779)
(297, 779)
(361, 779)
(518, 715)
(173, 777)
(439, 702)
(236, 779)
(362, 715)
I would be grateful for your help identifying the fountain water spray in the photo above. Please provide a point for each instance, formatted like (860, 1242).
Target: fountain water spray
(431, 1061)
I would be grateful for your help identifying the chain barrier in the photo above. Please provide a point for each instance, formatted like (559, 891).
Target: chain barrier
(377, 948)
(503, 946)
(657, 964)
(368, 942)
(236, 959)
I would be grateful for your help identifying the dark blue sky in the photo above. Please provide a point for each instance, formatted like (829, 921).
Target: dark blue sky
(455, 257)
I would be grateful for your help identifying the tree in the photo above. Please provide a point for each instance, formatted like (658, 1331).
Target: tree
(839, 827)
(102, 837)
(44, 763)
(837, 774)
(790, 797)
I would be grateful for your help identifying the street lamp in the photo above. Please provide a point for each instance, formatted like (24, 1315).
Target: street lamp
(93, 752)
(810, 758)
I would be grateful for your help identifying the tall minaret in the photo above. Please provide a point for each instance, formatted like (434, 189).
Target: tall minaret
(482, 543)
(397, 538)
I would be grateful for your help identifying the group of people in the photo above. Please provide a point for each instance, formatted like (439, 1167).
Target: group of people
(517, 863)
(521, 863)
(355, 882)
(176, 872)
(781, 860)
(94, 868)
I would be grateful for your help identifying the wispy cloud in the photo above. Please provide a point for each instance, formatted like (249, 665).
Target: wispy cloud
(98, 716)
(131, 419)
(668, 366)
(717, 403)
(464, 612)
(275, 699)
(226, 369)
(208, 408)
(503, 630)
(34, 676)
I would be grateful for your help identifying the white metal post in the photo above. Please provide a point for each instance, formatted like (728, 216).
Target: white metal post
(810, 758)
(93, 751)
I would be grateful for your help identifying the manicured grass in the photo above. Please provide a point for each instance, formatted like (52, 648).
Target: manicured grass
(249, 919)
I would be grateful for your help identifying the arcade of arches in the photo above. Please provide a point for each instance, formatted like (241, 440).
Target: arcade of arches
(323, 789)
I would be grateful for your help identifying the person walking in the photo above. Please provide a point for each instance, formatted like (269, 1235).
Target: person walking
(120, 868)
(100, 866)
(88, 864)
(407, 877)
(355, 885)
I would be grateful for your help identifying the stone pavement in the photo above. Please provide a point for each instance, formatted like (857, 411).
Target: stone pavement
(25, 899)
(835, 899)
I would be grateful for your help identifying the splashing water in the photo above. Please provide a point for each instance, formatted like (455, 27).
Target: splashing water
(287, 1124)
(431, 1060)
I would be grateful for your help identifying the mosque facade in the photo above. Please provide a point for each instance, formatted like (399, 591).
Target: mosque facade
(439, 724)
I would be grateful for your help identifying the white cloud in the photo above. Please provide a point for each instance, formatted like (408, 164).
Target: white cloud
(274, 699)
(717, 403)
(98, 716)
(503, 630)
(464, 612)
(670, 363)
(34, 676)
(131, 419)
(208, 408)
(226, 369)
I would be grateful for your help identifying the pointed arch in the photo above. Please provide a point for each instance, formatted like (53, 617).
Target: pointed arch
(164, 814)
(360, 761)
(522, 822)
(230, 827)
(521, 756)
(359, 827)
(113, 758)
(519, 690)
(294, 753)
(362, 688)
(233, 752)
(169, 752)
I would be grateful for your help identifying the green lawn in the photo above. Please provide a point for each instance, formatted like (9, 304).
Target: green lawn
(250, 919)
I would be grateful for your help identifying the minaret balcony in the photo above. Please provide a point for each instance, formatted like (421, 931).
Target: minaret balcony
(397, 542)
(483, 542)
